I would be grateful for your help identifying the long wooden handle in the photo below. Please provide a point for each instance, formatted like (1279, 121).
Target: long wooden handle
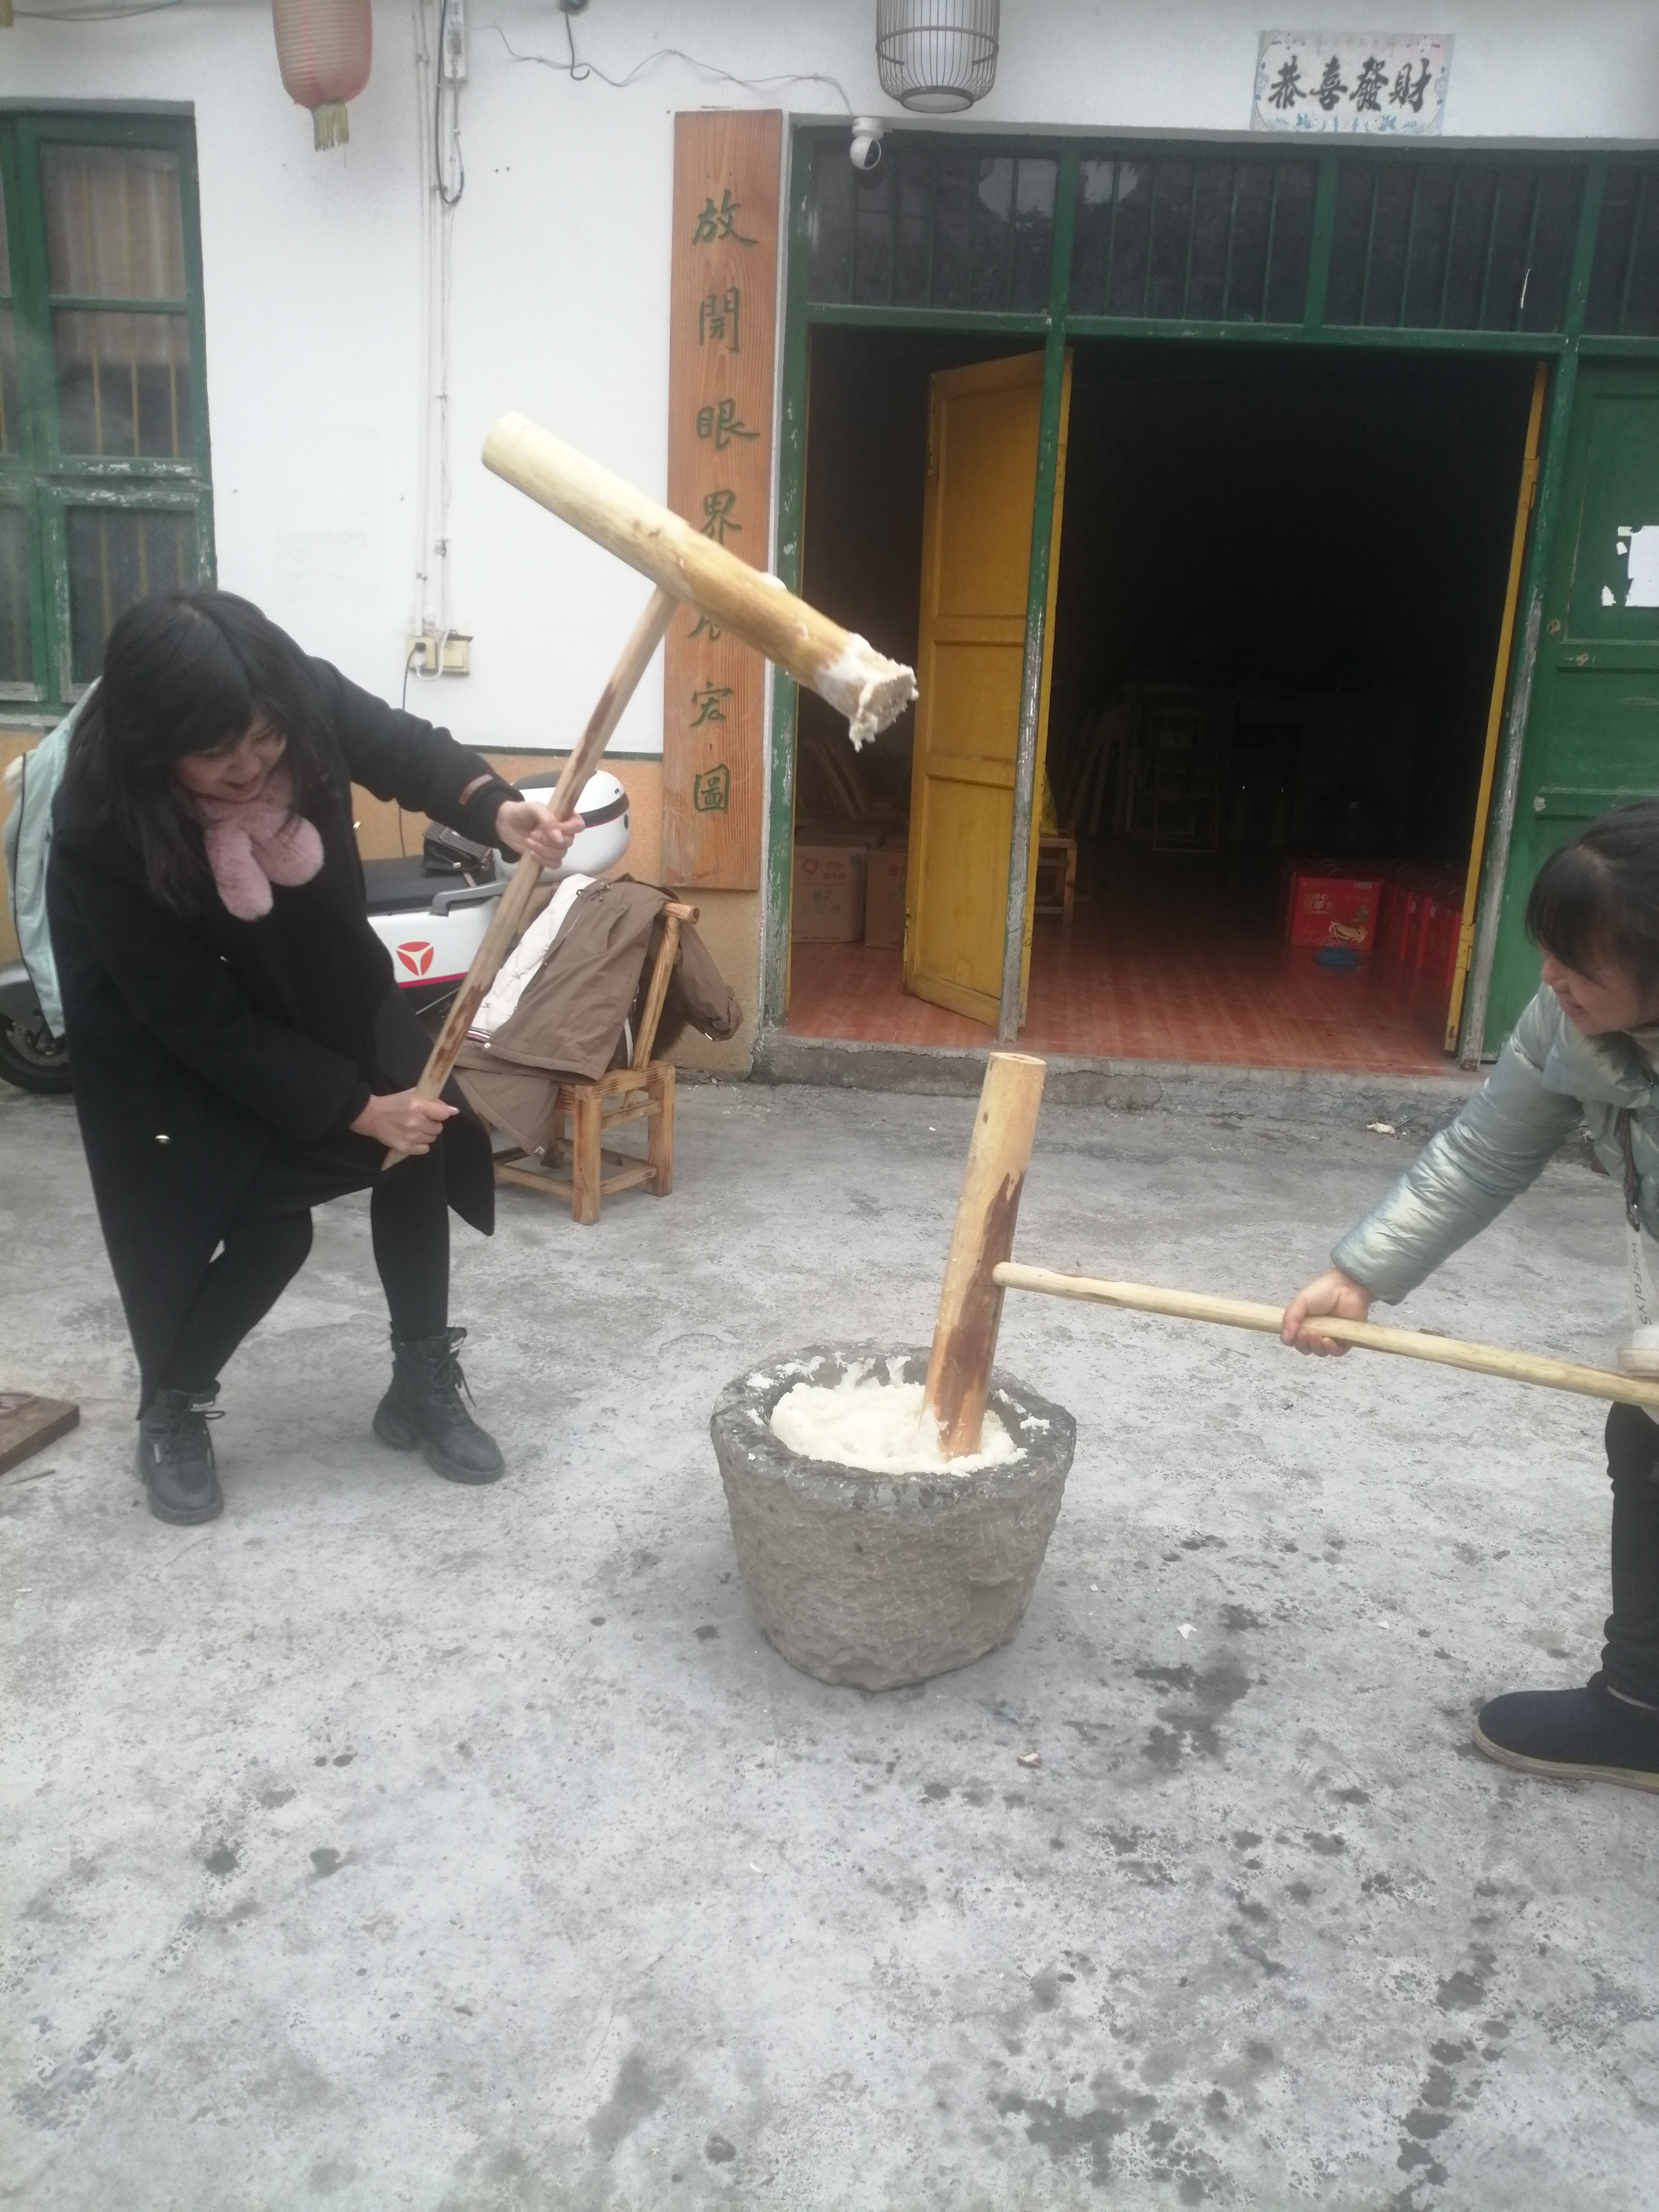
(648, 633)
(1408, 1343)
(845, 669)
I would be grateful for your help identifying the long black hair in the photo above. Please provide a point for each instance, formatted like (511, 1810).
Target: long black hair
(188, 673)
(1594, 902)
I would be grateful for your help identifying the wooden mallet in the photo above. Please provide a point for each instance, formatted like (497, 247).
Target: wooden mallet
(841, 667)
(687, 569)
(983, 1236)
(978, 1269)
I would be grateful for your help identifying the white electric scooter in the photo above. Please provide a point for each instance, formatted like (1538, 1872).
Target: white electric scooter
(431, 909)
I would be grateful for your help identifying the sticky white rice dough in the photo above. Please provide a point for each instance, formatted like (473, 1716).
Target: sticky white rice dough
(877, 1427)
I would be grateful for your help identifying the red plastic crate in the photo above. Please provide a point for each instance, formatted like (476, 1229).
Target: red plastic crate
(1324, 907)
(1442, 924)
(1391, 913)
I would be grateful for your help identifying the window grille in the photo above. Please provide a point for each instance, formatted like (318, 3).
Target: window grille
(943, 230)
(1464, 245)
(1168, 239)
(1623, 286)
(1452, 244)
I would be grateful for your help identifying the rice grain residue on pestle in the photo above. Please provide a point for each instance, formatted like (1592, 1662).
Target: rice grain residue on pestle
(877, 1427)
(867, 687)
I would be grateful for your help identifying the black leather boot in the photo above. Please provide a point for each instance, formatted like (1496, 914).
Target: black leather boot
(422, 1409)
(175, 1457)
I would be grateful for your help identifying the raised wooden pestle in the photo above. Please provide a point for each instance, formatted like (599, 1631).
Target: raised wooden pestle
(970, 1301)
(1370, 1336)
(514, 901)
(858, 682)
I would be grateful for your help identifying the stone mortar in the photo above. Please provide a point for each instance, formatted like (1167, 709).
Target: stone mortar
(881, 1580)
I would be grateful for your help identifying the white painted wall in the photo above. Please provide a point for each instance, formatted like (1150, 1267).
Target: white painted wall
(561, 262)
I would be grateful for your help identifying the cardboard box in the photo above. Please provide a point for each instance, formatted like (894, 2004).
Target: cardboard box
(826, 904)
(867, 831)
(883, 899)
(1331, 909)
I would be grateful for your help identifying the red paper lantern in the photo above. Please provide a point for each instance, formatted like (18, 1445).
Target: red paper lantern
(324, 48)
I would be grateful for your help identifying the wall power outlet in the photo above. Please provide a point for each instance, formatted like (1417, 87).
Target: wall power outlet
(440, 652)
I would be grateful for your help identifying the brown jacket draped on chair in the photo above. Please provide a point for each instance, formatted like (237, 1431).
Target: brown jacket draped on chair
(568, 1024)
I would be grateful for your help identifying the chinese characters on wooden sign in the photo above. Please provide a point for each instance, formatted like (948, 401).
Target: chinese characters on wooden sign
(723, 314)
(1351, 81)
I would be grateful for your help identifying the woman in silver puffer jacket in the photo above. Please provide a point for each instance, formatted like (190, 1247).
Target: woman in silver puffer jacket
(1586, 1051)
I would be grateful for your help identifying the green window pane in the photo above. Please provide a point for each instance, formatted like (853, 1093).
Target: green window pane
(10, 422)
(1543, 305)
(124, 385)
(993, 213)
(1251, 230)
(1131, 233)
(1034, 235)
(872, 236)
(953, 231)
(1091, 236)
(1171, 234)
(16, 648)
(5, 252)
(1204, 282)
(1290, 230)
(829, 270)
(114, 558)
(114, 222)
(913, 175)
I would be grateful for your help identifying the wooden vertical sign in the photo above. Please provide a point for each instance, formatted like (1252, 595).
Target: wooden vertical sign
(723, 314)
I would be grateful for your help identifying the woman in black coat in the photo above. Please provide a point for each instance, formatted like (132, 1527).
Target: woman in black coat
(239, 1046)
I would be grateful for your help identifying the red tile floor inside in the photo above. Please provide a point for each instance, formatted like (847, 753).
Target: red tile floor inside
(1172, 958)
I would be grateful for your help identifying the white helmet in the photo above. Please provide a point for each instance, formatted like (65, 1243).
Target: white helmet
(602, 808)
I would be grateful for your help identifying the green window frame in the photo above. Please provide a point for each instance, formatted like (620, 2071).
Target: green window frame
(137, 515)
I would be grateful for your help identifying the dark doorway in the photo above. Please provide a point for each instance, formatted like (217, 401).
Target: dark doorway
(1281, 584)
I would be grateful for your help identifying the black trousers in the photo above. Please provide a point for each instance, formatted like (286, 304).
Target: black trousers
(268, 1236)
(1630, 1658)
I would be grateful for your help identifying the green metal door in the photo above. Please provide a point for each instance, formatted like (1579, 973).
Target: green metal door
(1593, 732)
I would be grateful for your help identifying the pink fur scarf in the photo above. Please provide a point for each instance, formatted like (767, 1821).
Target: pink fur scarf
(252, 843)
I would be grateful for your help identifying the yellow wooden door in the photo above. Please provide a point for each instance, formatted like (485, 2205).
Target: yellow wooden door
(975, 561)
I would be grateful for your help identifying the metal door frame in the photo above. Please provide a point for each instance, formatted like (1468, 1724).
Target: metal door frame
(1056, 326)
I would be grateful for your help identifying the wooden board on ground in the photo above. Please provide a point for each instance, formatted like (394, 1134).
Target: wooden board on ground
(28, 1424)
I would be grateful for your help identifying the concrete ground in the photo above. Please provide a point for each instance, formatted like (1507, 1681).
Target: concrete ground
(391, 1843)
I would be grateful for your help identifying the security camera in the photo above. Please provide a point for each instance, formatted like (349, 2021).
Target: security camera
(865, 149)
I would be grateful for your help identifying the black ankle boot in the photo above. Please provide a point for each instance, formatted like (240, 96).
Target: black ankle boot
(423, 1409)
(175, 1457)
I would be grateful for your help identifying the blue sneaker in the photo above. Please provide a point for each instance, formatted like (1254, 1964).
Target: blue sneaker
(1573, 1735)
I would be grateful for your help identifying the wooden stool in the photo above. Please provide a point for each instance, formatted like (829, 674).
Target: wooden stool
(642, 1092)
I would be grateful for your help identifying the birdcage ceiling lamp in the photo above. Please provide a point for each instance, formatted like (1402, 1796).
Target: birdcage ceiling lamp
(937, 56)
